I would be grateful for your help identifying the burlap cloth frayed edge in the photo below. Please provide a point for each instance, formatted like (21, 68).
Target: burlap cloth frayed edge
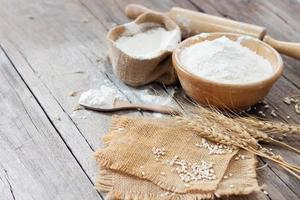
(133, 149)
(109, 180)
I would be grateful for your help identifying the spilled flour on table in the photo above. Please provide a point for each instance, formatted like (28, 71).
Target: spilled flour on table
(103, 97)
(226, 61)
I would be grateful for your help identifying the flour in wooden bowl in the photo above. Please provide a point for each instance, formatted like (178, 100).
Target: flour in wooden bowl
(225, 61)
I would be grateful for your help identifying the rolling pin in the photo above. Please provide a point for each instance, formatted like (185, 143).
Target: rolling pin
(192, 23)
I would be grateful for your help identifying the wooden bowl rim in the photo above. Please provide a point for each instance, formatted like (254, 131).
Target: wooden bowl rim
(272, 78)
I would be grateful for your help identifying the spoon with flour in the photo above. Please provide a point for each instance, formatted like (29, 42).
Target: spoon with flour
(105, 100)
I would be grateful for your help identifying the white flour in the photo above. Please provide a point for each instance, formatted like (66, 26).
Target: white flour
(226, 61)
(147, 40)
(103, 97)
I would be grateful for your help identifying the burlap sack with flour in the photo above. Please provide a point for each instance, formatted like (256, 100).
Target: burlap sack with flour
(130, 171)
(140, 71)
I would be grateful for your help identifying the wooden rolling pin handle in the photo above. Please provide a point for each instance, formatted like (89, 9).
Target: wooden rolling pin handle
(197, 22)
(132, 11)
(288, 48)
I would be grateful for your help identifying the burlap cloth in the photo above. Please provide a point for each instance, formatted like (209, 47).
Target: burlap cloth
(140, 71)
(130, 141)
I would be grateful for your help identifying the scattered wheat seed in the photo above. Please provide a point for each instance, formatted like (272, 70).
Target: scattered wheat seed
(225, 177)
(266, 106)
(164, 194)
(194, 172)
(261, 113)
(217, 195)
(297, 108)
(230, 174)
(121, 129)
(79, 71)
(288, 117)
(163, 173)
(158, 152)
(273, 113)
(72, 93)
(293, 100)
(284, 135)
(57, 117)
(214, 148)
(143, 173)
(231, 186)
(265, 192)
(142, 167)
(287, 100)
(187, 185)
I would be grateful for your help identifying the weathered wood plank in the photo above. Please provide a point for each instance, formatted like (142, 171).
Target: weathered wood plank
(79, 28)
(6, 188)
(34, 160)
(50, 68)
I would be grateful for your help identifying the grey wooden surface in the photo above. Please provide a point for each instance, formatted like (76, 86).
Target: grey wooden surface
(45, 147)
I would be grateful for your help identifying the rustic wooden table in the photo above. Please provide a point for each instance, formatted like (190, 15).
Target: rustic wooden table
(50, 48)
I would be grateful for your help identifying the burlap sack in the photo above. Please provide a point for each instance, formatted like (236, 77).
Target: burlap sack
(119, 185)
(138, 71)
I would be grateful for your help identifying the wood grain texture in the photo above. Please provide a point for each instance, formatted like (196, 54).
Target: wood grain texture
(59, 46)
(57, 61)
(34, 160)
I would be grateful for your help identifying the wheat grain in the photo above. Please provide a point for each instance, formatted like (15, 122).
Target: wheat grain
(240, 132)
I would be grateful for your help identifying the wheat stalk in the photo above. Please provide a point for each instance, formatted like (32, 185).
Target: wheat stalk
(271, 127)
(240, 132)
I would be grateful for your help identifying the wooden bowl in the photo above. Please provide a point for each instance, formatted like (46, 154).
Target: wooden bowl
(223, 95)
